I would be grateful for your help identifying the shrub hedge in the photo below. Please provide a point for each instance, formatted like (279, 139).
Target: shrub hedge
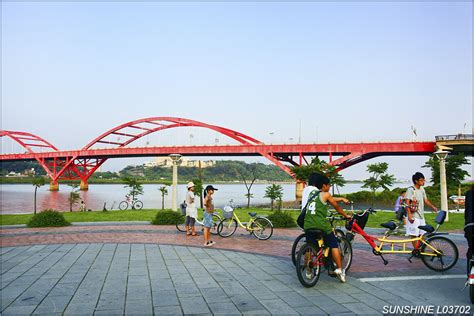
(281, 219)
(48, 218)
(167, 218)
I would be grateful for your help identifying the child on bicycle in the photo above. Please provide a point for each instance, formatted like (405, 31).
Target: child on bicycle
(316, 218)
(208, 210)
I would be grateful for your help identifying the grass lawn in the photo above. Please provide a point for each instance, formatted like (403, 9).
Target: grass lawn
(113, 216)
(456, 221)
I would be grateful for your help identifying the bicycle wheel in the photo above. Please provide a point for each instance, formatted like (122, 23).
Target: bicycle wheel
(262, 228)
(227, 227)
(297, 244)
(216, 219)
(440, 262)
(123, 205)
(346, 252)
(138, 205)
(308, 267)
(180, 224)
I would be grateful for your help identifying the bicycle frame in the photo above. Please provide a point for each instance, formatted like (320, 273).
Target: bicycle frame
(378, 250)
(234, 216)
(322, 255)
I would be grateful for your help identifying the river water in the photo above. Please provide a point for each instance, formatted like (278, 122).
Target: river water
(18, 198)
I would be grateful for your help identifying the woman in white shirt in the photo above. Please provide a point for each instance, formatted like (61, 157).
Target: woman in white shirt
(191, 211)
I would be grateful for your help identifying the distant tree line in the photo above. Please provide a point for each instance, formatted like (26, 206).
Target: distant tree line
(226, 170)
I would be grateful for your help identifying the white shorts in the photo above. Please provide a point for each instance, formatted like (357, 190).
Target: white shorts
(412, 229)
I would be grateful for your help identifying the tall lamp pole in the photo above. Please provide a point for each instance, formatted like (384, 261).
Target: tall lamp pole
(176, 160)
(441, 155)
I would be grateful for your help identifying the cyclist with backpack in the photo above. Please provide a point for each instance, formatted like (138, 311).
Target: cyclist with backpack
(316, 218)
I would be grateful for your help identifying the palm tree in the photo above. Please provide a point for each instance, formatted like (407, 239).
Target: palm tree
(164, 191)
(274, 192)
(37, 182)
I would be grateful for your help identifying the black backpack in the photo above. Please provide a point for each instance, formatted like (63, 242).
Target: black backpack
(300, 219)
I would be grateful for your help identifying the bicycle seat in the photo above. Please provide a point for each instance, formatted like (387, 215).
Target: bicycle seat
(427, 228)
(389, 225)
(313, 231)
(252, 214)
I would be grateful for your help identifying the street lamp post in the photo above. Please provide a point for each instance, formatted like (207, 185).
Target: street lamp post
(176, 160)
(441, 155)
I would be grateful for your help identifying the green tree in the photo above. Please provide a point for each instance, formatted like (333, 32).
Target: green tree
(273, 192)
(37, 182)
(454, 173)
(317, 165)
(198, 189)
(251, 173)
(74, 196)
(135, 188)
(164, 191)
(379, 178)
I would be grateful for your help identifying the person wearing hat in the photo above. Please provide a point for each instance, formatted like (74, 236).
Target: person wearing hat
(208, 210)
(191, 211)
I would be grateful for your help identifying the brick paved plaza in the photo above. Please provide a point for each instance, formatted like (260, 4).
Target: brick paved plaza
(145, 269)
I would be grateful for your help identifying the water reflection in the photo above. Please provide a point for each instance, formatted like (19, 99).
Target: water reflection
(18, 198)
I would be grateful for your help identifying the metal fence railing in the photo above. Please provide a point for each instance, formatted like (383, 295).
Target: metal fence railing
(455, 137)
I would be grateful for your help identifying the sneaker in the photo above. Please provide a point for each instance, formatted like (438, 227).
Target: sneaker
(309, 274)
(207, 244)
(212, 242)
(341, 275)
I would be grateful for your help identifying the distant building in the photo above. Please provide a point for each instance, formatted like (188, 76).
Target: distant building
(13, 174)
(166, 162)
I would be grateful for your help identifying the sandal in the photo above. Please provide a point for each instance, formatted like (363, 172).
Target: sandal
(194, 235)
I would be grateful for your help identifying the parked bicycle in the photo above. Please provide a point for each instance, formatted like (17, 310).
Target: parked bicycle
(437, 252)
(261, 227)
(312, 257)
(134, 203)
(216, 219)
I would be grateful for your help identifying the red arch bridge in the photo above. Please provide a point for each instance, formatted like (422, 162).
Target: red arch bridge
(81, 164)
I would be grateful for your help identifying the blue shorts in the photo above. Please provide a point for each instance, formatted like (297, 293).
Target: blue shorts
(208, 220)
(330, 240)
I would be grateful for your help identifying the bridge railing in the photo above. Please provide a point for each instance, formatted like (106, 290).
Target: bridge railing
(455, 137)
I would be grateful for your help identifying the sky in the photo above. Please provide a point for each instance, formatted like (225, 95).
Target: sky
(277, 71)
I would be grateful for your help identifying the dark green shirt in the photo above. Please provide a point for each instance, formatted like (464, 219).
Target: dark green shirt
(316, 215)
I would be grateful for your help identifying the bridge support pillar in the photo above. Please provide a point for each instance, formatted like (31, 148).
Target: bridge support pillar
(84, 186)
(53, 185)
(299, 190)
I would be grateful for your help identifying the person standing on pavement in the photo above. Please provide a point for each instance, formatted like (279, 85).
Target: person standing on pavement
(468, 220)
(417, 195)
(208, 210)
(191, 211)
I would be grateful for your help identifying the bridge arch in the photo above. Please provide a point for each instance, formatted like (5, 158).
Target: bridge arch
(28, 140)
(150, 125)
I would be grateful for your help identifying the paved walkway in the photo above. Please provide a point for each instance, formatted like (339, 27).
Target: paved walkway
(145, 269)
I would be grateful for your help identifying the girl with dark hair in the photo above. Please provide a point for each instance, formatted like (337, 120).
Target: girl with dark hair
(208, 210)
